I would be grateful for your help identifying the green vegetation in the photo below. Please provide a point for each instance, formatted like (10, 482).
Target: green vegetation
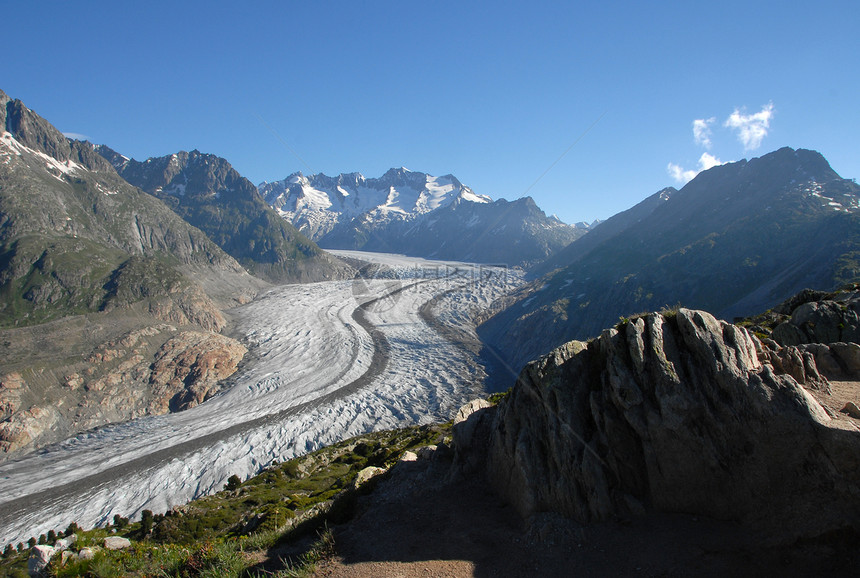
(496, 398)
(229, 533)
(43, 280)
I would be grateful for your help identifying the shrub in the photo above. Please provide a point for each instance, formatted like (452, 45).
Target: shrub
(146, 520)
(233, 483)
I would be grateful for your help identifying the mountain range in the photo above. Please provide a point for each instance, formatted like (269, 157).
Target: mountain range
(159, 248)
(72, 231)
(736, 239)
(114, 273)
(108, 298)
(211, 195)
(417, 214)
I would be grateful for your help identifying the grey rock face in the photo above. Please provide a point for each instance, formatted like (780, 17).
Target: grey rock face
(40, 557)
(210, 194)
(470, 432)
(835, 360)
(674, 414)
(801, 364)
(822, 321)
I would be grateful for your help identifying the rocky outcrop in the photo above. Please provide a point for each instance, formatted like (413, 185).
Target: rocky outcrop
(835, 361)
(116, 543)
(366, 475)
(673, 413)
(40, 556)
(189, 367)
(471, 429)
(22, 428)
(829, 320)
(794, 361)
(11, 389)
(148, 371)
(813, 334)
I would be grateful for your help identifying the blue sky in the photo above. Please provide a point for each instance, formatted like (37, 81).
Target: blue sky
(587, 107)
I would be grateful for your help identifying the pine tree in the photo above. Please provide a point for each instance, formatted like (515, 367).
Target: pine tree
(146, 520)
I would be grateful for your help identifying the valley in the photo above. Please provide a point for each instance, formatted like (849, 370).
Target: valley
(326, 361)
(356, 289)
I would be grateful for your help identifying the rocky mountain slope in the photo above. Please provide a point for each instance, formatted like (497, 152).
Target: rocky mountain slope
(418, 214)
(210, 194)
(736, 239)
(97, 281)
(607, 230)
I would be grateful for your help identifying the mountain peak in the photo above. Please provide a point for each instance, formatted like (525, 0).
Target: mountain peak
(397, 171)
(404, 177)
(31, 130)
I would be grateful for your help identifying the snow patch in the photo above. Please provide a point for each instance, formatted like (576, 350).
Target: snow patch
(55, 167)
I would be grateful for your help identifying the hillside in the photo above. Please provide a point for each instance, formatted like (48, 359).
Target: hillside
(735, 240)
(207, 192)
(99, 280)
(417, 214)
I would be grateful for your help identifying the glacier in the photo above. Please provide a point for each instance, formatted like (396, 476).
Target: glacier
(326, 361)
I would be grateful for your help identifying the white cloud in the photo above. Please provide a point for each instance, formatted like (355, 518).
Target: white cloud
(751, 128)
(678, 173)
(681, 176)
(708, 161)
(702, 131)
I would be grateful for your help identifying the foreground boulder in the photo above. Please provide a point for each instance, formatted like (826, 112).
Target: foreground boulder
(672, 413)
(116, 543)
(40, 557)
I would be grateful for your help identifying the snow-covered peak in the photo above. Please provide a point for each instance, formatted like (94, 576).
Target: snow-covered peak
(296, 179)
(317, 202)
(469, 195)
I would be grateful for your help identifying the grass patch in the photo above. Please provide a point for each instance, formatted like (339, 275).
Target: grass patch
(496, 398)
